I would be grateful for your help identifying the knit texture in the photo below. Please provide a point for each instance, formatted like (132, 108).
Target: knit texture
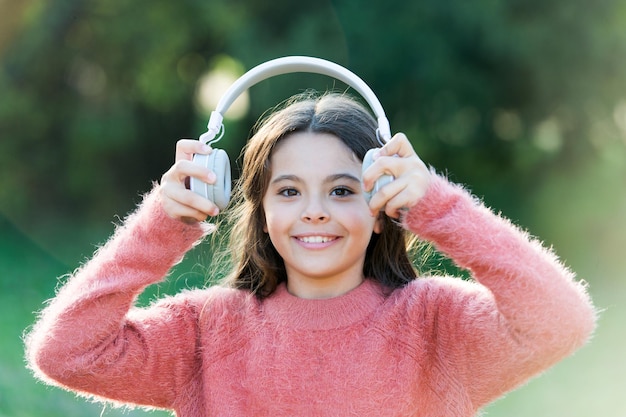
(440, 346)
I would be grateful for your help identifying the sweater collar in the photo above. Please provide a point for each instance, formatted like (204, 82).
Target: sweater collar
(323, 314)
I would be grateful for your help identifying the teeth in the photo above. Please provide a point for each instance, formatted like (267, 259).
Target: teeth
(315, 239)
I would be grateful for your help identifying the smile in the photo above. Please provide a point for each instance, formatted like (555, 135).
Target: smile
(315, 239)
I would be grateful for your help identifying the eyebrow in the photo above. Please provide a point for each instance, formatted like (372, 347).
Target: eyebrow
(331, 178)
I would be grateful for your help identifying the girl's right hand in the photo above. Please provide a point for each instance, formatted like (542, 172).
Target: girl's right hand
(178, 201)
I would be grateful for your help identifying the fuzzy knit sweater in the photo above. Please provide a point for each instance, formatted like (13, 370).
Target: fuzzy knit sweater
(438, 347)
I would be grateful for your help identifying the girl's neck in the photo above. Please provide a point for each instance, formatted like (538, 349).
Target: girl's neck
(322, 288)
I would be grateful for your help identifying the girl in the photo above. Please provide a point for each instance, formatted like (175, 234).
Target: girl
(323, 314)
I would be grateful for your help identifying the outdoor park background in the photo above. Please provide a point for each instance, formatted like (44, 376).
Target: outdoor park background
(522, 100)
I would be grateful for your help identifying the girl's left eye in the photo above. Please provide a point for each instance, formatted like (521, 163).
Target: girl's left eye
(341, 192)
(288, 192)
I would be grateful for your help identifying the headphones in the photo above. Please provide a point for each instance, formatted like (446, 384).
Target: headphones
(217, 161)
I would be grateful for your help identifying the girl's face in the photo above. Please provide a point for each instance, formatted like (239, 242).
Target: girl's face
(316, 215)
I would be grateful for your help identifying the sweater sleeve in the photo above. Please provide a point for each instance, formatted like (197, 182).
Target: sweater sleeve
(526, 313)
(91, 340)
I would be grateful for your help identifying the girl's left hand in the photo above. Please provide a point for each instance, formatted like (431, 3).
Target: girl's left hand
(412, 177)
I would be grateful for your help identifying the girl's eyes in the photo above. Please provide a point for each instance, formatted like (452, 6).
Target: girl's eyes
(341, 192)
(337, 192)
(288, 192)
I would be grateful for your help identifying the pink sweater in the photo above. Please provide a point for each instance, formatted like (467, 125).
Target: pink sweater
(438, 347)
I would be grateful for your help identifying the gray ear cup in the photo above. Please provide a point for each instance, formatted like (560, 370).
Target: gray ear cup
(380, 182)
(219, 193)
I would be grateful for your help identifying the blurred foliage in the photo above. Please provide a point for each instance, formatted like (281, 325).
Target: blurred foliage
(95, 93)
(524, 100)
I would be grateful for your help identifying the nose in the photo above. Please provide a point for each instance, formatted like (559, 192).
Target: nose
(315, 211)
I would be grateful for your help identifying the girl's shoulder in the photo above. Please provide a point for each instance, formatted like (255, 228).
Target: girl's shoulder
(213, 305)
(433, 296)
(437, 287)
(217, 298)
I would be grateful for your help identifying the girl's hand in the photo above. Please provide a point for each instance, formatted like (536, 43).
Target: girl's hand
(178, 201)
(412, 177)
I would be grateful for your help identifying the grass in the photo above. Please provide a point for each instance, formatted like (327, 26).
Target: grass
(588, 384)
(27, 278)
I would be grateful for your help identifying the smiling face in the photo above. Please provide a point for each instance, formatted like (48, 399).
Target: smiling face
(316, 215)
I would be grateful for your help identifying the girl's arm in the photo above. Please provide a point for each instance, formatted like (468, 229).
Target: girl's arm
(90, 338)
(529, 312)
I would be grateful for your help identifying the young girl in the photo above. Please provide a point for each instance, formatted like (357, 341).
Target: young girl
(323, 314)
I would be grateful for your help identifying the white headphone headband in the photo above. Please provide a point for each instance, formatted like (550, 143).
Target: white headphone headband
(287, 65)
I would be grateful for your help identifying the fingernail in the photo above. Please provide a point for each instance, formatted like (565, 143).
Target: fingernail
(206, 148)
(212, 177)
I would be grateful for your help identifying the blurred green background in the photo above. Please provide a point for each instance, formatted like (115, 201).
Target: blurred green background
(522, 100)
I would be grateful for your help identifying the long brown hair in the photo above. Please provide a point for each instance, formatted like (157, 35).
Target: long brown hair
(257, 265)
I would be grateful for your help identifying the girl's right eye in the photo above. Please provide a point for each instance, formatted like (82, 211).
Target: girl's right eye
(288, 192)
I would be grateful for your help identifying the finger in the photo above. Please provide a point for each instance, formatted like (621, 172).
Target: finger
(382, 196)
(390, 160)
(186, 148)
(183, 169)
(398, 145)
(180, 203)
(406, 197)
(392, 200)
(382, 199)
(193, 201)
(398, 166)
(185, 213)
(401, 194)
(387, 165)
